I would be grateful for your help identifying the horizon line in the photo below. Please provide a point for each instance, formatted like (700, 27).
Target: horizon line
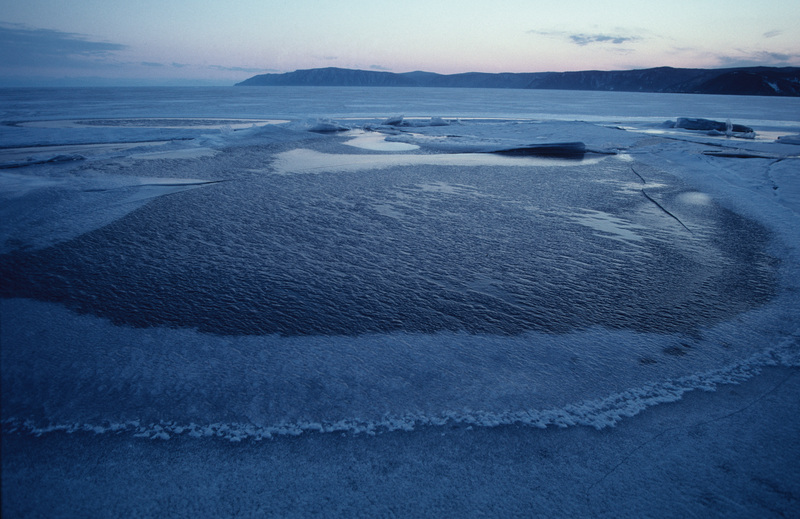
(131, 82)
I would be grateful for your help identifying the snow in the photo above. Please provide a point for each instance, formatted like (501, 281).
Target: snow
(663, 464)
(310, 161)
(326, 125)
(369, 140)
(105, 416)
(395, 120)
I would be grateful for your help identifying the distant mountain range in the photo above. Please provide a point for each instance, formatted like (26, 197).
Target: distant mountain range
(760, 81)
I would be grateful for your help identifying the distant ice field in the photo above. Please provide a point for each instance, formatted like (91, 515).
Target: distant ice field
(257, 262)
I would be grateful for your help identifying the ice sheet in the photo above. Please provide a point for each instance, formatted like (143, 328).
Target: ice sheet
(310, 161)
(547, 393)
(41, 211)
(439, 297)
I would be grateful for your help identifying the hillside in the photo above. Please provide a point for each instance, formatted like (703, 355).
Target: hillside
(762, 81)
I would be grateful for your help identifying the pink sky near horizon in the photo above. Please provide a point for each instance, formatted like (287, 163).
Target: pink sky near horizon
(200, 41)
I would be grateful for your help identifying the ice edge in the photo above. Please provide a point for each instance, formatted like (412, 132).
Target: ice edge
(597, 413)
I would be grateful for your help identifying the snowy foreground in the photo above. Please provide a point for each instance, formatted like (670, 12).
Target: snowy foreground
(729, 453)
(399, 316)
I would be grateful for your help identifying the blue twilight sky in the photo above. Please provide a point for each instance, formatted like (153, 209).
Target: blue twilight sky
(221, 42)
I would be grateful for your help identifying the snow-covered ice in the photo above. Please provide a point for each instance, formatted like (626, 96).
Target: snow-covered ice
(390, 313)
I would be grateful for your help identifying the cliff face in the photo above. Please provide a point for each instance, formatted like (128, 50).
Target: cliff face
(763, 81)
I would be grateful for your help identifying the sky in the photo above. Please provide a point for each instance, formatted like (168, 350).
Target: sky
(216, 42)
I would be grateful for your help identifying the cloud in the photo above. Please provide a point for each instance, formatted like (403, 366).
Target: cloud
(759, 59)
(772, 34)
(243, 69)
(583, 39)
(379, 67)
(151, 64)
(30, 47)
(586, 39)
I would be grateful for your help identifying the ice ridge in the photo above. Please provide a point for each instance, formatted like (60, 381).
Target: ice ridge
(598, 413)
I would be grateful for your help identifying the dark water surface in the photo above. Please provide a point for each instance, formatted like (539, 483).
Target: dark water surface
(417, 249)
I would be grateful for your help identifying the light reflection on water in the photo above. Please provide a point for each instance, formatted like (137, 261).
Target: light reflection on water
(610, 226)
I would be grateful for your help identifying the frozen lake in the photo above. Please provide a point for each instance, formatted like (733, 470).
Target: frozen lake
(191, 275)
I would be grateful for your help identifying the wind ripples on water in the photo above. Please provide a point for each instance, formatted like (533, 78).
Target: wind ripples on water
(320, 256)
